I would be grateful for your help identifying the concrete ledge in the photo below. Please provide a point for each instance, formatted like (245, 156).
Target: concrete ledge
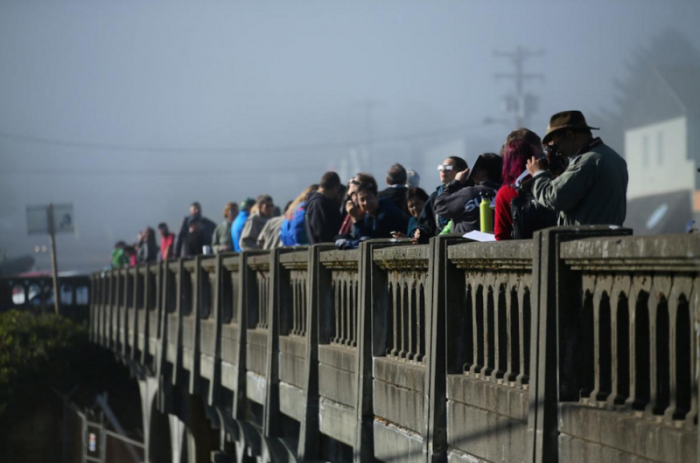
(393, 444)
(340, 256)
(187, 359)
(229, 376)
(292, 401)
(400, 406)
(339, 357)
(685, 246)
(572, 450)
(337, 385)
(626, 433)
(485, 434)
(171, 353)
(503, 400)
(400, 373)
(153, 344)
(255, 387)
(301, 256)
(293, 345)
(455, 456)
(256, 352)
(292, 369)
(337, 421)
(206, 367)
(229, 344)
(208, 337)
(188, 331)
(173, 327)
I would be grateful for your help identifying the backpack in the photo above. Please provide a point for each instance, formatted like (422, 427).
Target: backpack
(529, 215)
(293, 232)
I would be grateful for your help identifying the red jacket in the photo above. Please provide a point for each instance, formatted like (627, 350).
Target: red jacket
(503, 223)
(166, 246)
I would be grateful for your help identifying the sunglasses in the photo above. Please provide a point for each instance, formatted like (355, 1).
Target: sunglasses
(352, 181)
(445, 167)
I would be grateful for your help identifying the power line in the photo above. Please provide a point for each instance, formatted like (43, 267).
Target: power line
(251, 150)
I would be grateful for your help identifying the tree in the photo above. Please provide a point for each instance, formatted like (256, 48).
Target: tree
(670, 49)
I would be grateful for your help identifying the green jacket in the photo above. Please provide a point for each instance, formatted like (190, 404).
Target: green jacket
(591, 191)
(222, 238)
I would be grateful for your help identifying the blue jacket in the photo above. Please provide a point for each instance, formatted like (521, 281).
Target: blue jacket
(237, 229)
(293, 232)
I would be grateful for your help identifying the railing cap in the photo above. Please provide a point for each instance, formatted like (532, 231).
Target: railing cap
(504, 250)
(405, 252)
(295, 255)
(350, 255)
(660, 252)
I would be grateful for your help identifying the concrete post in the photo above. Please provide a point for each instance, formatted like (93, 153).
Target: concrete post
(435, 440)
(364, 434)
(271, 419)
(550, 320)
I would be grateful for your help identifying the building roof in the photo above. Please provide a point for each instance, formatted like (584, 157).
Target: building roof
(668, 93)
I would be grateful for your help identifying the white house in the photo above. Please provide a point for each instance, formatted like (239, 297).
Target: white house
(662, 150)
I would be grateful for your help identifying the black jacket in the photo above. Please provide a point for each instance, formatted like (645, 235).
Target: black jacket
(396, 195)
(206, 229)
(429, 223)
(323, 219)
(148, 251)
(461, 204)
(389, 218)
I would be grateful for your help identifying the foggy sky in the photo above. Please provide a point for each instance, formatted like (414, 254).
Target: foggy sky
(132, 110)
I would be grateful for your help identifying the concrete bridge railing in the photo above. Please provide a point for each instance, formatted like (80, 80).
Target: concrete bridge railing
(578, 345)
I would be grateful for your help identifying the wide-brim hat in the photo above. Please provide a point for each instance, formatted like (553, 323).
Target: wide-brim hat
(566, 120)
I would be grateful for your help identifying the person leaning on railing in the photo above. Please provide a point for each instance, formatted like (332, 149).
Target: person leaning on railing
(221, 239)
(415, 202)
(293, 230)
(259, 215)
(323, 219)
(148, 248)
(167, 242)
(429, 223)
(460, 199)
(593, 188)
(376, 217)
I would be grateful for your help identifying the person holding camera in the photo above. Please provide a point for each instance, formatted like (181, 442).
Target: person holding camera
(592, 190)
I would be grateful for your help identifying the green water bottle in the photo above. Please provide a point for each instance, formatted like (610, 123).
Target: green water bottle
(486, 215)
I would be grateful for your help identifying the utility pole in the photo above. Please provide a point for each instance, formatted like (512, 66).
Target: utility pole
(521, 104)
(54, 266)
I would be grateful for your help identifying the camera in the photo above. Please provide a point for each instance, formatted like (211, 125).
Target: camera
(554, 161)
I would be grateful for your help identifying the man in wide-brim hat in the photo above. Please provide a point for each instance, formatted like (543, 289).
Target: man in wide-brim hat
(593, 188)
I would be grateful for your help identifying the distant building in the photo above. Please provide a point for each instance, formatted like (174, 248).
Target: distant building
(662, 149)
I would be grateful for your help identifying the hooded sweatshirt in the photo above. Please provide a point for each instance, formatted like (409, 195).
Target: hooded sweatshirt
(323, 218)
(460, 204)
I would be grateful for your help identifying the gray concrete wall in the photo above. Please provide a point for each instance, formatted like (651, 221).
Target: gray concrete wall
(578, 345)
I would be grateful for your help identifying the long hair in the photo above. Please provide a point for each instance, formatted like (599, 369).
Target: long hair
(289, 211)
(515, 157)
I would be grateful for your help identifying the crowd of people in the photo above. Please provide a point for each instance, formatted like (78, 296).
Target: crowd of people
(567, 178)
